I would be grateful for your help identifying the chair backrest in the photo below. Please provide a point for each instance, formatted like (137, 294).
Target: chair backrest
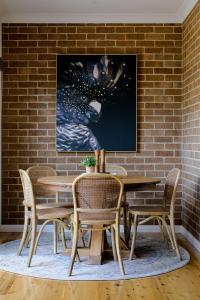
(116, 170)
(40, 171)
(29, 199)
(171, 187)
(97, 193)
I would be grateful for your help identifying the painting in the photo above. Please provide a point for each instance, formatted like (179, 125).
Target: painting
(96, 103)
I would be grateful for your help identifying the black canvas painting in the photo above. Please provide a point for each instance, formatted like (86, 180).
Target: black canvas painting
(96, 102)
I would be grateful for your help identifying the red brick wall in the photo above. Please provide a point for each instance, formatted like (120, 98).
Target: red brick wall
(191, 123)
(29, 101)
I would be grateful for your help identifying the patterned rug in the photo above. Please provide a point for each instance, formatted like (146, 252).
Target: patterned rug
(153, 258)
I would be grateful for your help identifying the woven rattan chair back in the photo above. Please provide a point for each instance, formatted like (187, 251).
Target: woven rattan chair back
(97, 192)
(40, 171)
(116, 170)
(97, 199)
(29, 199)
(171, 187)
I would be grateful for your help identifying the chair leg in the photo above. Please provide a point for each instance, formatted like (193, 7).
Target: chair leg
(134, 237)
(174, 237)
(129, 226)
(24, 235)
(62, 231)
(168, 232)
(28, 238)
(161, 228)
(72, 235)
(125, 224)
(89, 238)
(32, 245)
(81, 237)
(55, 225)
(113, 243)
(39, 234)
(77, 255)
(59, 233)
(74, 248)
(117, 237)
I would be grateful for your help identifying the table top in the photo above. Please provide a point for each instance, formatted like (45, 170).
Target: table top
(64, 181)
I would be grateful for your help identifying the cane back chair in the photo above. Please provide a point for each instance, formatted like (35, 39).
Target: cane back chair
(34, 173)
(159, 213)
(97, 200)
(40, 190)
(116, 170)
(33, 215)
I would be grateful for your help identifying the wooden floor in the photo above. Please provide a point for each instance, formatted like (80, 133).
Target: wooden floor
(182, 284)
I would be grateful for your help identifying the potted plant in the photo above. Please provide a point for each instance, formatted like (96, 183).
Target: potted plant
(89, 162)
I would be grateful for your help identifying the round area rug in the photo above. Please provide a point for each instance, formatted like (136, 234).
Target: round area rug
(153, 258)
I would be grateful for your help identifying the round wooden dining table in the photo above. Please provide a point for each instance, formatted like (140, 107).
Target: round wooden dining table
(62, 183)
(131, 183)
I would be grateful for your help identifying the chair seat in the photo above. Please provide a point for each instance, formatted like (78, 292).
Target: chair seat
(96, 218)
(54, 205)
(54, 213)
(148, 210)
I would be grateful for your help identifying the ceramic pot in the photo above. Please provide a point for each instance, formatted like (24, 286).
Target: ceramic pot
(90, 169)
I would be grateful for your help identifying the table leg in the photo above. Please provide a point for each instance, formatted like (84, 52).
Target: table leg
(125, 221)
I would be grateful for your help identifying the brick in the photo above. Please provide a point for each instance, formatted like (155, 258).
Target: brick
(105, 29)
(46, 29)
(154, 36)
(66, 29)
(173, 36)
(144, 29)
(76, 36)
(86, 43)
(125, 43)
(66, 43)
(37, 37)
(125, 29)
(76, 50)
(17, 37)
(115, 36)
(96, 36)
(24, 29)
(57, 36)
(85, 29)
(164, 29)
(105, 43)
(135, 36)
(144, 43)
(116, 50)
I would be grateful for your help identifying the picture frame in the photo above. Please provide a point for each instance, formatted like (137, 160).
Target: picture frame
(96, 102)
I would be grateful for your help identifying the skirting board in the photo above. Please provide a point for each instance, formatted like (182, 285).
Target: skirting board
(141, 228)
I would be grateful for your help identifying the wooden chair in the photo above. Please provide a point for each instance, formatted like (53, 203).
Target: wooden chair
(97, 201)
(118, 170)
(39, 189)
(115, 170)
(34, 173)
(33, 215)
(159, 213)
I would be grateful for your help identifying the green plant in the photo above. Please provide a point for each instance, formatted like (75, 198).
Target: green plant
(89, 161)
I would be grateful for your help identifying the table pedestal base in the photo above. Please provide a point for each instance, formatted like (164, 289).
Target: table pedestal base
(97, 243)
(96, 246)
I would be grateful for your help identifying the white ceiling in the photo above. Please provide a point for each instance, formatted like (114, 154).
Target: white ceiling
(98, 11)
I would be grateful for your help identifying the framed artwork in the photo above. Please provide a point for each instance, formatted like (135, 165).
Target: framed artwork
(96, 103)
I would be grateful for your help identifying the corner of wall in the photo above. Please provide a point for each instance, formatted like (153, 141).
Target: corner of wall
(0, 111)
